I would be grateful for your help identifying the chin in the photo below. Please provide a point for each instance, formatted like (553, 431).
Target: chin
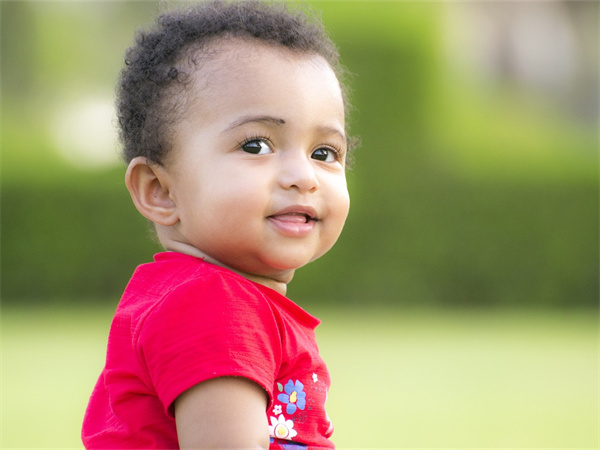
(288, 263)
(281, 267)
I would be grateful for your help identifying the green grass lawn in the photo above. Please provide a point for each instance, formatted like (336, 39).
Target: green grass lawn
(412, 379)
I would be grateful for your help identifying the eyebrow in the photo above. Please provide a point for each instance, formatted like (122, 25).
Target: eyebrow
(324, 129)
(254, 119)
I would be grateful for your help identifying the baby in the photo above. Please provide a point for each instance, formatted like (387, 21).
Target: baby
(232, 117)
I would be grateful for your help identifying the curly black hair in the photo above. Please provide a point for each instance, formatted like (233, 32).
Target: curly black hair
(149, 97)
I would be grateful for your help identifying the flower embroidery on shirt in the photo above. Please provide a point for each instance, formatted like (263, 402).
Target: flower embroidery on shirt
(293, 396)
(281, 428)
(277, 409)
(315, 378)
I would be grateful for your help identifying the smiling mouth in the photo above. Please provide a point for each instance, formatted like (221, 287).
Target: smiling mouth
(294, 217)
(295, 221)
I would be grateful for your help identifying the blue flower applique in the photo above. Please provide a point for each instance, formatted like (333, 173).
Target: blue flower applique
(290, 446)
(293, 446)
(293, 396)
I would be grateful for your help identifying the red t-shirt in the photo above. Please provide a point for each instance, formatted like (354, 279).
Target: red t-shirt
(182, 321)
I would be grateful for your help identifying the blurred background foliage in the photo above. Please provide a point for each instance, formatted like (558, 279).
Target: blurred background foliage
(476, 183)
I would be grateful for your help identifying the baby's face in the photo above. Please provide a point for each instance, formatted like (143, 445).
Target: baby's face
(257, 169)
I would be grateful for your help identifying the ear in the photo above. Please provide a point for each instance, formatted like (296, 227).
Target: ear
(149, 189)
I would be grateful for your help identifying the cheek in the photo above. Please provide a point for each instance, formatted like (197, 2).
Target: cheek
(236, 203)
(342, 200)
(339, 206)
(343, 213)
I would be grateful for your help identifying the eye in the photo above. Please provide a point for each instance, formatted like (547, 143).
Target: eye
(325, 154)
(256, 147)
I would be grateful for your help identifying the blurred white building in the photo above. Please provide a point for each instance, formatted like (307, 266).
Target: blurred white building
(550, 47)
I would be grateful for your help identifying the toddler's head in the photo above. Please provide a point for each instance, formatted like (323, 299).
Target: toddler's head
(233, 123)
(154, 84)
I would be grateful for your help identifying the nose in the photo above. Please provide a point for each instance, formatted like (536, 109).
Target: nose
(298, 172)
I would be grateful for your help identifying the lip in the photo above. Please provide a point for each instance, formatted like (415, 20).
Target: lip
(308, 211)
(295, 221)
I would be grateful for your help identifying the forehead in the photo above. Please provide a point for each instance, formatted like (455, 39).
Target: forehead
(220, 52)
(236, 65)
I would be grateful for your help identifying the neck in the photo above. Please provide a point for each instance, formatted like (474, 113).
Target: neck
(276, 282)
(273, 283)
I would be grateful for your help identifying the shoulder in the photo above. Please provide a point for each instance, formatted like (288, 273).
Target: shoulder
(202, 293)
(212, 288)
(176, 280)
(169, 270)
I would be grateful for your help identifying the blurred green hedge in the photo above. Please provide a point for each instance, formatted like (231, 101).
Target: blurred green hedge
(424, 240)
(451, 205)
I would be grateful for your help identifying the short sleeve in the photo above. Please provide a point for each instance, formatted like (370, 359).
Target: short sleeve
(217, 326)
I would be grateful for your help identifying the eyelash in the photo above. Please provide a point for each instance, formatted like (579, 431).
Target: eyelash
(338, 152)
(253, 138)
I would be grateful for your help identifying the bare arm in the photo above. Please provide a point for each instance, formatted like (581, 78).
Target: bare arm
(222, 413)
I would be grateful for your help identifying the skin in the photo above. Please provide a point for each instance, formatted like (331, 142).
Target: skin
(255, 182)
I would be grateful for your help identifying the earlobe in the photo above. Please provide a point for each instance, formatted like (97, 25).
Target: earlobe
(148, 186)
